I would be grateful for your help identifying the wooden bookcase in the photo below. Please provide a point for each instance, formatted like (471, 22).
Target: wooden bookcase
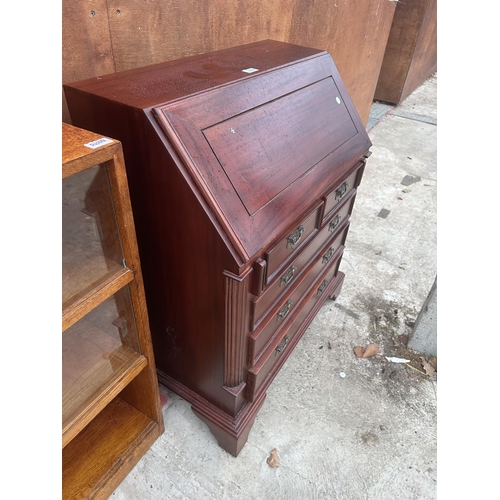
(111, 411)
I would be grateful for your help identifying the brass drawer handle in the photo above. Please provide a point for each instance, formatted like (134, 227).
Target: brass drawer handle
(322, 287)
(287, 277)
(328, 255)
(341, 191)
(294, 238)
(284, 310)
(334, 223)
(282, 344)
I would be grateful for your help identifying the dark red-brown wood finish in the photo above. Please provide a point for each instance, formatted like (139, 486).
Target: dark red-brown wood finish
(243, 166)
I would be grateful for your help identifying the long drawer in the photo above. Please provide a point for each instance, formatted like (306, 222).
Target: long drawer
(261, 374)
(333, 232)
(291, 302)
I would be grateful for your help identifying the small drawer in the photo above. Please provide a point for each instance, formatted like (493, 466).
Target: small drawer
(280, 314)
(335, 232)
(339, 215)
(289, 245)
(262, 373)
(341, 192)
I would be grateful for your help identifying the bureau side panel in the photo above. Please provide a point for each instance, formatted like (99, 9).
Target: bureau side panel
(182, 254)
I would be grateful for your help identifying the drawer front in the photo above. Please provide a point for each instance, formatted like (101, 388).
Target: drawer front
(335, 230)
(290, 244)
(341, 192)
(279, 349)
(339, 215)
(285, 308)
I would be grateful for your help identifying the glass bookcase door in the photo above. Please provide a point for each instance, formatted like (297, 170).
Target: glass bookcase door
(97, 350)
(91, 247)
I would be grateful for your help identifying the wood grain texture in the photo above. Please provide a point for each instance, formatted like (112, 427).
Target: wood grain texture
(411, 52)
(96, 296)
(105, 437)
(259, 177)
(353, 32)
(98, 459)
(143, 392)
(132, 364)
(185, 121)
(138, 33)
(197, 240)
(424, 60)
(262, 373)
(236, 322)
(87, 47)
(266, 300)
(76, 156)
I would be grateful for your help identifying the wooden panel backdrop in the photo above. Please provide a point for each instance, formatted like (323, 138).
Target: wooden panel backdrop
(104, 36)
(411, 53)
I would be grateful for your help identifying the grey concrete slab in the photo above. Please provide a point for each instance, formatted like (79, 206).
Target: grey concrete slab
(423, 337)
(421, 103)
(377, 112)
(371, 433)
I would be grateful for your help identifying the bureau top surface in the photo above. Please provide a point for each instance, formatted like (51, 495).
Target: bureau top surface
(150, 85)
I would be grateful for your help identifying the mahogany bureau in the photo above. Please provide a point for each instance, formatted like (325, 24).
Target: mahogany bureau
(243, 166)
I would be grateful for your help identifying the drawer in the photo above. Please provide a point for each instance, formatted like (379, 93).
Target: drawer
(262, 373)
(279, 314)
(339, 215)
(341, 191)
(335, 231)
(291, 243)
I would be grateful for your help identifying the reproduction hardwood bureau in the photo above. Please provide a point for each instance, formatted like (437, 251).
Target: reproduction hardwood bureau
(243, 166)
(111, 411)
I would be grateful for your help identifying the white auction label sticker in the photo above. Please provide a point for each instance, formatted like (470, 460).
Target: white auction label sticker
(98, 143)
(250, 70)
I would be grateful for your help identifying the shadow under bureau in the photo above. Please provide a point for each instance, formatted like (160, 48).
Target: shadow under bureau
(243, 166)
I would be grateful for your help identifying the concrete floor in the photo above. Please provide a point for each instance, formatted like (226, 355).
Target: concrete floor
(370, 434)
